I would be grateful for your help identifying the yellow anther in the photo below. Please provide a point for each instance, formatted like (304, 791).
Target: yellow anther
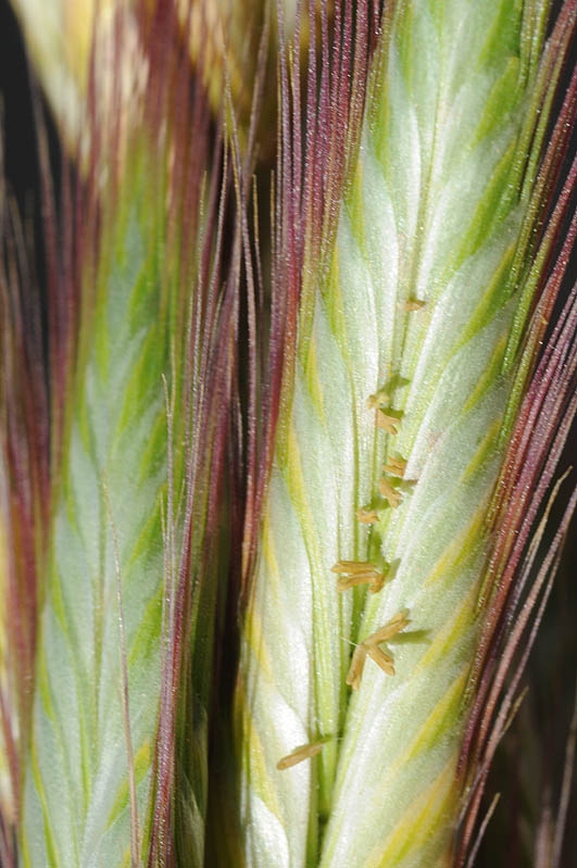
(387, 423)
(391, 495)
(377, 583)
(347, 582)
(412, 304)
(370, 647)
(396, 624)
(379, 399)
(354, 573)
(395, 467)
(352, 568)
(306, 751)
(355, 672)
(382, 659)
(367, 516)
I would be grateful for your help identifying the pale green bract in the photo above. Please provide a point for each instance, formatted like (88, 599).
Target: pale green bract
(434, 214)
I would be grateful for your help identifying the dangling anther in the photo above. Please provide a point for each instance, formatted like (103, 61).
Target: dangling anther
(395, 466)
(379, 399)
(392, 495)
(366, 515)
(390, 424)
(377, 583)
(355, 672)
(382, 659)
(306, 751)
(395, 625)
(371, 644)
(412, 304)
(370, 647)
(352, 573)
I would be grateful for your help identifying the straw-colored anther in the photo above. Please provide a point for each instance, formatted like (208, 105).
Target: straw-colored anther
(377, 584)
(383, 659)
(395, 467)
(379, 399)
(413, 304)
(367, 516)
(392, 495)
(355, 672)
(352, 573)
(304, 752)
(352, 568)
(396, 624)
(347, 582)
(387, 423)
(370, 647)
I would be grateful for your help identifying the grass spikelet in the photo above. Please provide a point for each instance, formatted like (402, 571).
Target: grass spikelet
(431, 282)
(134, 299)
